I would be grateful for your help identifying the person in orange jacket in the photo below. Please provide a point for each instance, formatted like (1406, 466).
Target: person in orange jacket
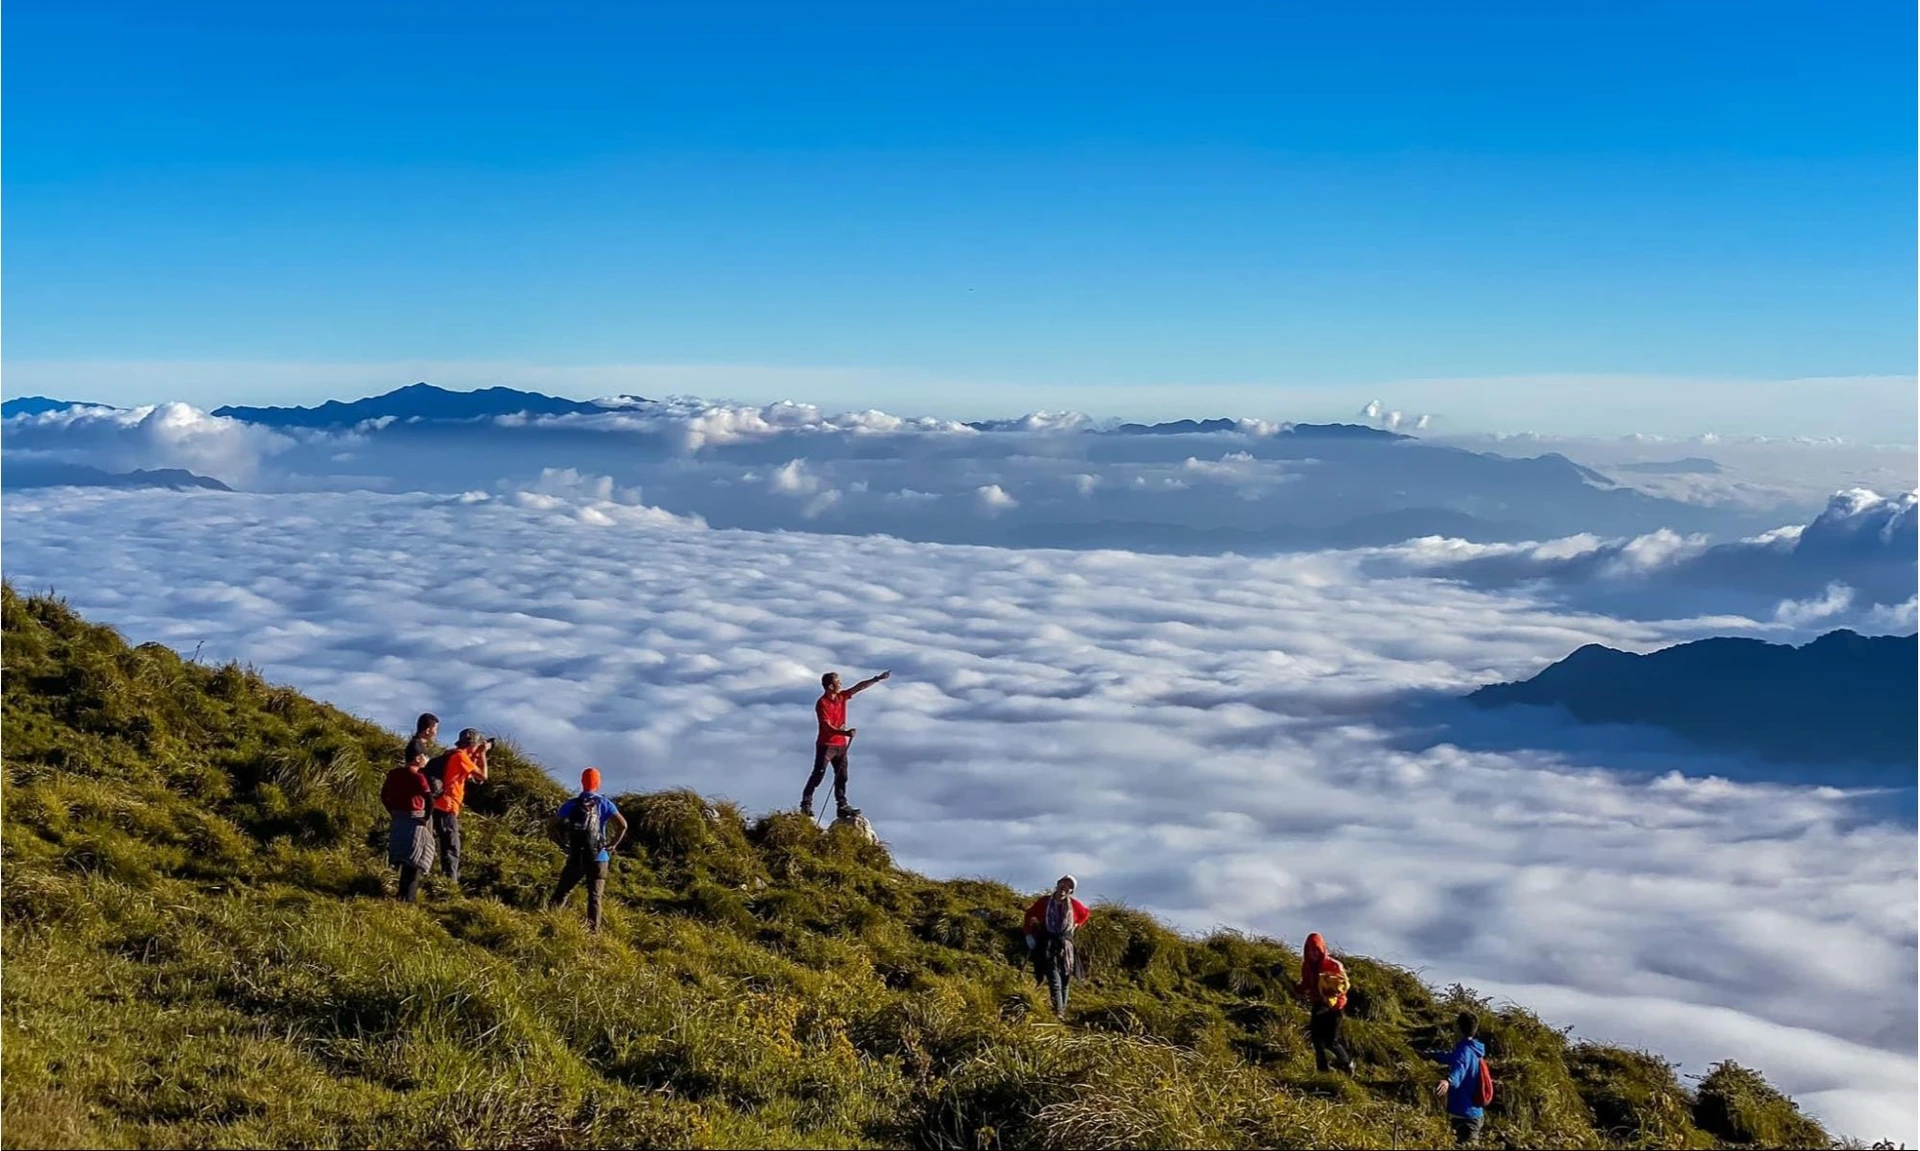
(1049, 925)
(1323, 984)
(467, 763)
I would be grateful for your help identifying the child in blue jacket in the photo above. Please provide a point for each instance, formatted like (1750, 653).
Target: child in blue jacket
(1463, 1076)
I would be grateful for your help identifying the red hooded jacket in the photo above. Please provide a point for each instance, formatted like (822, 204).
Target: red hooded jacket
(405, 790)
(1315, 962)
(1036, 920)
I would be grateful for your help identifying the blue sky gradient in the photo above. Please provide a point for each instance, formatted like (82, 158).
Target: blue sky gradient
(1090, 197)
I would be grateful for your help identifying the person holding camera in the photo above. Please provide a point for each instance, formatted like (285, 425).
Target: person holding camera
(466, 762)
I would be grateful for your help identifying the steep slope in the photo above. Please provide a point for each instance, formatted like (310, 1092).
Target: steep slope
(1841, 698)
(198, 952)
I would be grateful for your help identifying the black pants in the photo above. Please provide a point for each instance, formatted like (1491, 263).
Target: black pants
(1324, 1030)
(823, 754)
(409, 882)
(1466, 1129)
(595, 876)
(446, 828)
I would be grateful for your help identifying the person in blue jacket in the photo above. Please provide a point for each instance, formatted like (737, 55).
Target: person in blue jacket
(588, 828)
(1463, 1076)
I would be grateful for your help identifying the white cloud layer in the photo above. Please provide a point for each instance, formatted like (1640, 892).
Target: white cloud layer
(1248, 489)
(1044, 480)
(994, 499)
(170, 435)
(695, 423)
(1226, 736)
(1863, 409)
(1378, 413)
(1853, 564)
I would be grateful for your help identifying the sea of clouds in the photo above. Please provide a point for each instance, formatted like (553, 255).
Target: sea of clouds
(1852, 564)
(1214, 675)
(1045, 479)
(1259, 742)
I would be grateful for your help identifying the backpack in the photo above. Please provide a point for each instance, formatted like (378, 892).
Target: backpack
(1483, 1087)
(585, 836)
(436, 772)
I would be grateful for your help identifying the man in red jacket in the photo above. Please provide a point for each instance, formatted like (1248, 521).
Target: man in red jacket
(1050, 924)
(831, 744)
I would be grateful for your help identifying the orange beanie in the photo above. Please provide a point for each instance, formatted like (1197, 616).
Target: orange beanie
(590, 779)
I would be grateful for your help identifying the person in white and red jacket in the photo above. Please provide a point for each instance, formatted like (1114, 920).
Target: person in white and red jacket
(1050, 924)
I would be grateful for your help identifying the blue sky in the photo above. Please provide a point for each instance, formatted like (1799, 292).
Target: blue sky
(1111, 200)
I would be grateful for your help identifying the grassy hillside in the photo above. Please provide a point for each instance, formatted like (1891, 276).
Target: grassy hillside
(198, 952)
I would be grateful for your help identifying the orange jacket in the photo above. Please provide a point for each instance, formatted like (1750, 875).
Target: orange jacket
(453, 792)
(1323, 979)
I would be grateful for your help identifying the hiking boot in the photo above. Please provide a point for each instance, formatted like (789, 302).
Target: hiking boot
(806, 809)
(847, 813)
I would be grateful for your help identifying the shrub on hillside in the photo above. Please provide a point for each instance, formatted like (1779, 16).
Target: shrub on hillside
(1738, 1106)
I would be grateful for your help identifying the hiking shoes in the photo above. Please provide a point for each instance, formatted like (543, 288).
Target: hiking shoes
(847, 813)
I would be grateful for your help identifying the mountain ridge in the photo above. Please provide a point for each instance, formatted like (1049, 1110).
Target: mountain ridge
(207, 848)
(415, 401)
(1842, 697)
(1190, 427)
(42, 474)
(41, 405)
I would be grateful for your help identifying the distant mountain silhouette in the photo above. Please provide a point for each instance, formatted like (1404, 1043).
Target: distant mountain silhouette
(38, 474)
(1178, 428)
(40, 405)
(416, 401)
(1342, 432)
(1206, 427)
(1560, 466)
(1841, 698)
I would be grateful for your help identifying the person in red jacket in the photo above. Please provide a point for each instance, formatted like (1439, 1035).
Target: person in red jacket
(831, 744)
(1050, 924)
(406, 794)
(1323, 983)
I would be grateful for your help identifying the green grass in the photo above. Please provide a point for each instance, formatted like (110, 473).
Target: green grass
(199, 952)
